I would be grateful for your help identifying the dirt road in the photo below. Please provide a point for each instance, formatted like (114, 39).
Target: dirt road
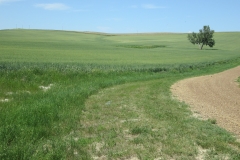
(214, 96)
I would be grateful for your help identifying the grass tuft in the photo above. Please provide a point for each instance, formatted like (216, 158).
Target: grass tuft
(139, 130)
(212, 121)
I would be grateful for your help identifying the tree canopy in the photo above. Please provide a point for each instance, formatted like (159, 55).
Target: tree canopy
(204, 37)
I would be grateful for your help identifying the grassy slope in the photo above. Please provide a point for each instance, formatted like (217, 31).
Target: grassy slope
(68, 47)
(45, 125)
(141, 120)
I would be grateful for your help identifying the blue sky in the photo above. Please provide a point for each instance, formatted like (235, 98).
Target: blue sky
(121, 16)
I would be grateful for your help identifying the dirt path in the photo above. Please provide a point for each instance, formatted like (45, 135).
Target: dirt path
(214, 96)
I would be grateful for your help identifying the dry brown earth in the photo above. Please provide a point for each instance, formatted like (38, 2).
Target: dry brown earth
(214, 96)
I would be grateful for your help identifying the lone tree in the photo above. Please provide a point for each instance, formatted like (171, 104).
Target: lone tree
(204, 37)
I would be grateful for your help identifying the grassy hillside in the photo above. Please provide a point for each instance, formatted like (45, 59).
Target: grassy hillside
(69, 47)
(55, 100)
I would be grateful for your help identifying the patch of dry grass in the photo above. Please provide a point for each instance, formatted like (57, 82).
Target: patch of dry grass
(118, 124)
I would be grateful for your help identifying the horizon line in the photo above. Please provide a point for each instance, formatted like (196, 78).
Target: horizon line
(109, 33)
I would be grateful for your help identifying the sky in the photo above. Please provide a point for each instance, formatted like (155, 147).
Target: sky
(121, 16)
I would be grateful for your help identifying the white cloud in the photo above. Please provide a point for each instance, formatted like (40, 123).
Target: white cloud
(151, 6)
(7, 1)
(53, 6)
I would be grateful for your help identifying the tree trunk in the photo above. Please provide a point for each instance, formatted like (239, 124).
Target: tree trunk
(200, 46)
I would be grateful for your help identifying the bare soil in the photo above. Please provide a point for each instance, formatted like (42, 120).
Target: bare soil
(213, 97)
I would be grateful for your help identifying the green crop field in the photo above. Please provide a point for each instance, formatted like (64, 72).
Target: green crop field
(80, 95)
(104, 49)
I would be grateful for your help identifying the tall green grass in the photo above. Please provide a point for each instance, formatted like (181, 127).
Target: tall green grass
(33, 117)
(38, 124)
(43, 124)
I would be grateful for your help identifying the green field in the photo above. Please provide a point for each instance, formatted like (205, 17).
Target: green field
(104, 49)
(76, 95)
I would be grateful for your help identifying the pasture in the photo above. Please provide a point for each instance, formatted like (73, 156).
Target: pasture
(80, 95)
